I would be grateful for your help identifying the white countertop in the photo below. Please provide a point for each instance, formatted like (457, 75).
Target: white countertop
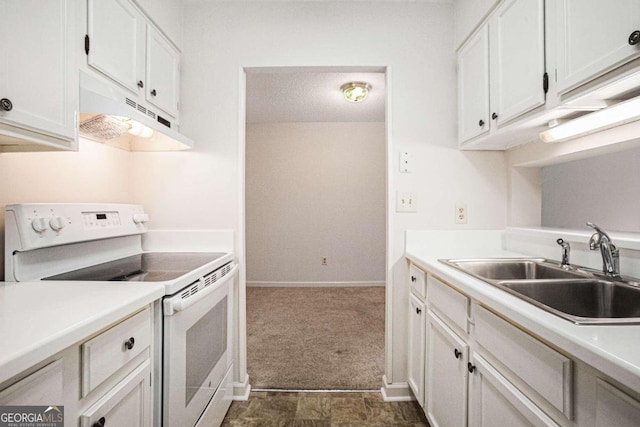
(612, 349)
(40, 319)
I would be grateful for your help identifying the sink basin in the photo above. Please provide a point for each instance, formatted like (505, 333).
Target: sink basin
(512, 269)
(583, 300)
(582, 295)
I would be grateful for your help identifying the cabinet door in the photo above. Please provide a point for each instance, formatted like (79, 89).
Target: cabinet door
(593, 38)
(127, 404)
(615, 408)
(43, 387)
(473, 87)
(517, 58)
(447, 357)
(163, 72)
(116, 33)
(417, 326)
(36, 66)
(494, 401)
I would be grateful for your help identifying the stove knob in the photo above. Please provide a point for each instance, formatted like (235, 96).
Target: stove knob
(39, 225)
(57, 223)
(140, 218)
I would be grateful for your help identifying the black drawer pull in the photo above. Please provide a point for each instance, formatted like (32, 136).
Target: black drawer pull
(6, 104)
(634, 38)
(153, 92)
(481, 123)
(457, 353)
(413, 279)
(140, 84)
(100, 423)
(494, 116)
(470, 368)
(418, 311)
(128, 344)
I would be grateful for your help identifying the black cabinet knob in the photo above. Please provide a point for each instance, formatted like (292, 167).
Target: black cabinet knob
(100, 423)
(413, 279)
(153, 92)
(494, 116)
(457, 353)
(140, 84)
(128, 344)
(634, 38)
(418, 311)
(481, 123)
(6, 104)
(470, 367)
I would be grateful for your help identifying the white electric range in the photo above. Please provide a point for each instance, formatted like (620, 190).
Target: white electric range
(193, 327)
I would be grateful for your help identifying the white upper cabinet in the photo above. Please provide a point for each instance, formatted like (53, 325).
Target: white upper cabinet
(38, 77)
(163, 72)
(116, 41)
(125, 47)
(517, 55)
(594, 36)
(501, 69)
(473, 86)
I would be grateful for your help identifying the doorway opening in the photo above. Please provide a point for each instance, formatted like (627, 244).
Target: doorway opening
(315, 229)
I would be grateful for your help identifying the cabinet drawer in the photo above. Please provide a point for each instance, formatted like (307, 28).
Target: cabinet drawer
(418, 283)
(43, 387)
(448, 303)
(105, 354)
(542, 368)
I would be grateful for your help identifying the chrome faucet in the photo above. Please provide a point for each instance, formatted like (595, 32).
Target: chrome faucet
(566, 250)
(610, 254)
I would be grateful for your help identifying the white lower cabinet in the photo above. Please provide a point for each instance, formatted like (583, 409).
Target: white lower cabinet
(447, 358)
(43, 387)
(416, 349)
(494, 401)
(614, 407)
(126, 404)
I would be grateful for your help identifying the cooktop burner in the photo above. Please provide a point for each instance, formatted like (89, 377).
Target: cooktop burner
(144, 267)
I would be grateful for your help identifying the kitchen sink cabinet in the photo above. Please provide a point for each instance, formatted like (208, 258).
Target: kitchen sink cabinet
(481, 369)
(501, 69)
(447, 358)
(38, 76)
(123, 45)
(416, 349)
(593, 37)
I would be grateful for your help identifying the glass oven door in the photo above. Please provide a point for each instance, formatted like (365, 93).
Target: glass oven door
(197, 339)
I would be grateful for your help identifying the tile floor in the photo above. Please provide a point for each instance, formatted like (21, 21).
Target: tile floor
(340, 409)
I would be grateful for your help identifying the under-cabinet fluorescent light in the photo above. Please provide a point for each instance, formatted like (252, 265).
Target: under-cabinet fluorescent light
(617, 114)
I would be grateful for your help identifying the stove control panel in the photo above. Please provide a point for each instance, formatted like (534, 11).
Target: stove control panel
(38, 225)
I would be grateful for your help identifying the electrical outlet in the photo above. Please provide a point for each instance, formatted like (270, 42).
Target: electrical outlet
(324, 260)
(405, 202)
(461, 213)
(406, 162)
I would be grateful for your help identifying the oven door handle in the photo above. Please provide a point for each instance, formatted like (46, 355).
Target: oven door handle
(176, 303)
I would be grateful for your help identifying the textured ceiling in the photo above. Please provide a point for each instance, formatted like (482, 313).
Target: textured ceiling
(284, 97)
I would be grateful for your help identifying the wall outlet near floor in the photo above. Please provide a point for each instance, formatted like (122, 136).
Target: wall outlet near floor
(405, 202)
(461, 213)
(324, 260)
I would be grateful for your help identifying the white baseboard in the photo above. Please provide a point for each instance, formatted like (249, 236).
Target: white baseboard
(395, 392)
(270, 284)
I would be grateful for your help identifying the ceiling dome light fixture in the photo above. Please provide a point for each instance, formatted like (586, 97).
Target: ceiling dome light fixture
(355, 91)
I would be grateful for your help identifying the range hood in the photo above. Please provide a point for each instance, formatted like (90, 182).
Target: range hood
(111, 116)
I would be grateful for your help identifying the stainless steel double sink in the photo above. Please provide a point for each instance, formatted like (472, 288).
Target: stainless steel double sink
(578, 294)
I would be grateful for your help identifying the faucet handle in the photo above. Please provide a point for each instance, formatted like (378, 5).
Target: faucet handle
(598, 229)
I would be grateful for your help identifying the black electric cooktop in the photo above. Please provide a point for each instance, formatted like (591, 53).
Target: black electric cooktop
(144, 267)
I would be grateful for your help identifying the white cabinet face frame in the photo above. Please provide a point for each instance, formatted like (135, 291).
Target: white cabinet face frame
(473, 87)
(37, 68)
(163, 72)
(494, 401)
(116, 33)
(593, 38)
(517, 59)
(417, 330)
(447, 359)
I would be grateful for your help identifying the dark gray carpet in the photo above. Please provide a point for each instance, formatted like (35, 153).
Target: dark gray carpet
(315, 338)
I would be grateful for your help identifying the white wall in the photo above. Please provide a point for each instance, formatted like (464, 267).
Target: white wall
(602, 189)
(315, 190)
(203, 188)
(96, 173)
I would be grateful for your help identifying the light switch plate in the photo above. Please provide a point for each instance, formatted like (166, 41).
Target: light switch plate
(405, 202)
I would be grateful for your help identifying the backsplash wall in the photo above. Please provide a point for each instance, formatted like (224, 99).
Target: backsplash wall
(600, 189)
